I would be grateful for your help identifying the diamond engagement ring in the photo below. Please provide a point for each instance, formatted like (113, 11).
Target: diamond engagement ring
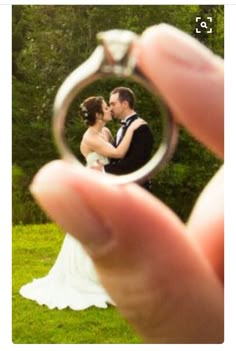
(112, 57)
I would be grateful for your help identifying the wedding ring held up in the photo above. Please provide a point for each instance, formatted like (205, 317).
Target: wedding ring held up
(112, 58)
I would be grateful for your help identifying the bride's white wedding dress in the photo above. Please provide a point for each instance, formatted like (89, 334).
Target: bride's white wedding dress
(72, 281)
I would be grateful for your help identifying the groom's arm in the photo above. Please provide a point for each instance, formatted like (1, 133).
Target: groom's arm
(138, 154)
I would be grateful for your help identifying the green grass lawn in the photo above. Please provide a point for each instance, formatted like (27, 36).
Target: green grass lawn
(35, 248)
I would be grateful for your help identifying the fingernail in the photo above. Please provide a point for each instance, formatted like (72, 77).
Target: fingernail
(179, 47)
(65, 206)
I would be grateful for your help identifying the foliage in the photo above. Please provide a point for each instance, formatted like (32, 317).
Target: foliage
(34, 324)
(48, 43)
(24, 209)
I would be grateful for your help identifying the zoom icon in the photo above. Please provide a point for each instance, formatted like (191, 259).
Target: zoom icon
(203, 25)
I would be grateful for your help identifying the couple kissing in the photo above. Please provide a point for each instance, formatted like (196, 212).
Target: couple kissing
(130, 149)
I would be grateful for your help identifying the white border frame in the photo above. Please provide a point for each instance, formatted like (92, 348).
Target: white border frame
(5, 182)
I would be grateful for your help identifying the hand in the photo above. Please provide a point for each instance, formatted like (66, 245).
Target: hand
(165, 277)
(137, 123)
(97, 166)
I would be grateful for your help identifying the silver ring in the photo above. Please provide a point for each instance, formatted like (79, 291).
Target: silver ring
(112, 58)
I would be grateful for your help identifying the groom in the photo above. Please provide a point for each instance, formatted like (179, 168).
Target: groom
(122, 107)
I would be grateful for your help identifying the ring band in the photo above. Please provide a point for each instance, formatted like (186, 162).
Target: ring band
(112, 58)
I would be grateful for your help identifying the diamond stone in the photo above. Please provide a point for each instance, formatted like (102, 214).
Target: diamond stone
(117, 42)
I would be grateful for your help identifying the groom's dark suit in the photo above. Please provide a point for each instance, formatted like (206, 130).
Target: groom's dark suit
(138, 154)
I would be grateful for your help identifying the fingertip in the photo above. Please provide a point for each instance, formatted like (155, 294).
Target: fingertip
(61, 172)
(190, 79)
(45, 175)
(164, 39)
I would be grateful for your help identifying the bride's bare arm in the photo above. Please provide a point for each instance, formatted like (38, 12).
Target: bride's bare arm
(104, 148)
(109, 135)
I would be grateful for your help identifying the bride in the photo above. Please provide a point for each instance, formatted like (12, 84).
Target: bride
(72, 281)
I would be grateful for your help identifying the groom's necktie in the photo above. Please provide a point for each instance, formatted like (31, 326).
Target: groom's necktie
(124, 126)
(121, 132)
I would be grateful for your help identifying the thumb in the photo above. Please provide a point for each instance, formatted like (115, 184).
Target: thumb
(158, 279)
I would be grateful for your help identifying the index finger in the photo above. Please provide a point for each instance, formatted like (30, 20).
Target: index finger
(190, 78)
